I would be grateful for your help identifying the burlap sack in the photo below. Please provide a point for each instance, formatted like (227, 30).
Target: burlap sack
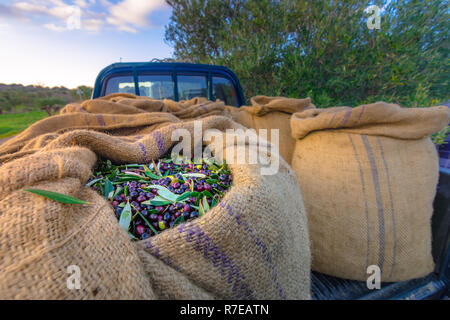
(253, 244)
(127, 103)
(368, 176)
(272, 113)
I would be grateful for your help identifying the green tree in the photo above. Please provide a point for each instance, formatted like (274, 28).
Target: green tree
(51, 105)
(86, 93)
(320, 48)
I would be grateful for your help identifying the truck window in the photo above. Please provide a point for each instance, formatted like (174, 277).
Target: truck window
(223, 90)
(120, 84)
(156, 86)
(191, 86)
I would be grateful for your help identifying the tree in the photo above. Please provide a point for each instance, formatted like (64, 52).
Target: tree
(51, 105)
(320, 48)
(86, 93)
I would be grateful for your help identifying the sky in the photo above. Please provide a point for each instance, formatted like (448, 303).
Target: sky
(67, 43)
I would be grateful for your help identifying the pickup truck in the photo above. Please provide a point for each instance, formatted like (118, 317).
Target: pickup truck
(177, 81)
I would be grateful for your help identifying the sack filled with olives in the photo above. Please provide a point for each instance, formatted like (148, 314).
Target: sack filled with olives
(149, 198)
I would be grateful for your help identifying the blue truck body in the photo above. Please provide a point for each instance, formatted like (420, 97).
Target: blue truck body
(323, 287)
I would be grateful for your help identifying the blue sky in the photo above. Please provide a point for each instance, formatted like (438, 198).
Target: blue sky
(62, 42)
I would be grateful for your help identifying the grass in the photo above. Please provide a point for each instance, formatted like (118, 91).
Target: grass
(13, 123)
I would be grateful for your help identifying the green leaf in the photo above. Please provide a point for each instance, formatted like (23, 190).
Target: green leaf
(178, 220)
(211, 181)
(125, 217)
(56, 196)
(207, 194)
(157, 201)
(164, 192)
(91, 183)
(108, 189)
(183, 196)
(195, 175)
(205, 204)
(129, 177)
(195, 194)
(117, 192)
(152, 175)
(125, 191)
(201, 210)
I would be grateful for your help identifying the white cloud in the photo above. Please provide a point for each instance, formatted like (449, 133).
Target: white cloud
(131, 14)
(53, 27)
(127, 15)
(92, 24)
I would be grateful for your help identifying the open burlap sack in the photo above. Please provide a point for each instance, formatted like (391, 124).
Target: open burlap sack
(272, 113)
(368, 176)
(126, 103)
(253, 244)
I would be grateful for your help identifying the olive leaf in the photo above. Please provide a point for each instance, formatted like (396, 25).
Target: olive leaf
(125, 217)
(205, 204)
(59, 197)
(108, 188)
(178, 220)
(164, 192)
(201, 210)
(91, 183)
(195, 175)
(183, 196)
(208, 194)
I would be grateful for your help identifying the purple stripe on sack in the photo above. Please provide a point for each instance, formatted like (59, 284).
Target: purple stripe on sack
(346, 117)
(260, 244)
(204, 108)
(332, 119)
(86, 119)
(157, 135)
(156, 252)
(392, 206)
(379, 201)
(362, 111)
(219, 259)
(100, 120)
(144, 152)
(366, 208)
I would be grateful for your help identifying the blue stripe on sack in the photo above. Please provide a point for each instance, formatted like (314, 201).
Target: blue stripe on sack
(392, 208)
(379, 201)
(366, 209)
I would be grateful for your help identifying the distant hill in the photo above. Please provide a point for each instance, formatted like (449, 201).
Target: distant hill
(16, 98)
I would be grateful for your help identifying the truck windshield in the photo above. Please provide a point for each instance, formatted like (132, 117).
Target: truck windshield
(162, 86)
(156, 86)
(191, 86)
(122, 84)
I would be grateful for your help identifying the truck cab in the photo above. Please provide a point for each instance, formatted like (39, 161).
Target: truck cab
(175, 81)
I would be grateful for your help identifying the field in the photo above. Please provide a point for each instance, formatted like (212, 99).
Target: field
(11, 124)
